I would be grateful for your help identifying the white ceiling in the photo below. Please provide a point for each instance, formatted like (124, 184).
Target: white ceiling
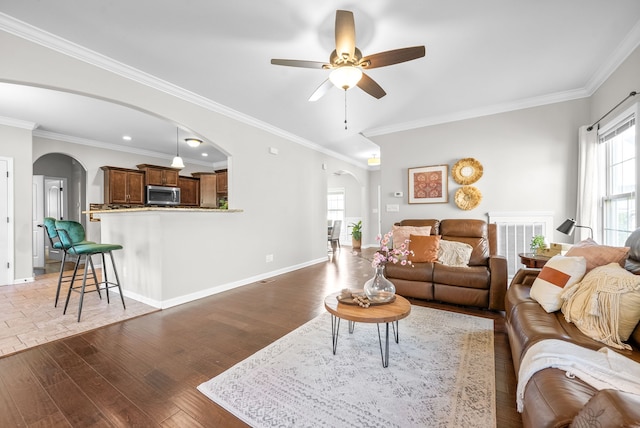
(482, 57)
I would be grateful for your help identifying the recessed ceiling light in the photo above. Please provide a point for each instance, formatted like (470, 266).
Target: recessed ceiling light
(126, 138)
(205, 154)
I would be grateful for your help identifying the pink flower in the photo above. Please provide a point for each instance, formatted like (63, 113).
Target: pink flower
(391, 255)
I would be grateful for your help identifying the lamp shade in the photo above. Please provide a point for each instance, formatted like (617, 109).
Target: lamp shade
(177, 162)
(567, 226)
(345, 77)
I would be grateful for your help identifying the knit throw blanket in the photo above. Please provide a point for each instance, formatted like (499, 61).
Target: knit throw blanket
(605, 305)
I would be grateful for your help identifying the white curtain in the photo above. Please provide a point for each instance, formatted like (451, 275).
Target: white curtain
(589, 183)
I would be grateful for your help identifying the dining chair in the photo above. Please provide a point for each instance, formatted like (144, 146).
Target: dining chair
(66, 230)
(334, 238)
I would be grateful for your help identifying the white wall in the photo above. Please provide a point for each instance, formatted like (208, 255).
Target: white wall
(623, 80)
(283, 196)
(16, 143)
(528, 156)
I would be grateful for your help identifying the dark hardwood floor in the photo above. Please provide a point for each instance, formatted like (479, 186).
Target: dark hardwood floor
(144, 371)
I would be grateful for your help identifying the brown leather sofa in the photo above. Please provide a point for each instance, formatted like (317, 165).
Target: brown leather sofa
(483, 284)
(551, 398)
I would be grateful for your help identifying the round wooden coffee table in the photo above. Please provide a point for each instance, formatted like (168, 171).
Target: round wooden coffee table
(389, 313)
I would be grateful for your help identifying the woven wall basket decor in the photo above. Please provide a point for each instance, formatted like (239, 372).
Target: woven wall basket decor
(466, 171)
(467, 197)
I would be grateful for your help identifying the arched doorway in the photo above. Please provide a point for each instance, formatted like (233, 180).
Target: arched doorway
(59, 191)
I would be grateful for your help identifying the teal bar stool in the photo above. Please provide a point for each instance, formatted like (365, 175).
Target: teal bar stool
(66, 230)
(49, 224)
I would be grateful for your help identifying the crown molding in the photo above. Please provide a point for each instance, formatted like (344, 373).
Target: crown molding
(617, 57)
(116, 147)
(65, 47)
(17, 123)
(479, 112)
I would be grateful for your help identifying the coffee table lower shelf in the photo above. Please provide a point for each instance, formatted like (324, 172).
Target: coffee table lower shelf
(390, 313)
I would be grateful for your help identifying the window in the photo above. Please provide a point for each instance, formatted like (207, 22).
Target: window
(336, 208)
(619, 196)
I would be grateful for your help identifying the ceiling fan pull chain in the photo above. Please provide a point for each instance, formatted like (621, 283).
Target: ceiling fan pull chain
(345, 109)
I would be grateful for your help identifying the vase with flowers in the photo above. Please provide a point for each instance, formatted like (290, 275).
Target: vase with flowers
(379, 289)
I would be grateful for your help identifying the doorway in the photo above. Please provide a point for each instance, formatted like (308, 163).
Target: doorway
(6, 239)
(59, 186)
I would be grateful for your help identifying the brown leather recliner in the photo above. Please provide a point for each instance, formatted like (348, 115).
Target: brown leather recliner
(482, 284)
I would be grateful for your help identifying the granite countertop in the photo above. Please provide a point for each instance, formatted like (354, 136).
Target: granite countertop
(165, 209)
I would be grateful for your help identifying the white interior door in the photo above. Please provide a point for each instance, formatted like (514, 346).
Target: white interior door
(55, 205)
(5, 223)
(37, 205)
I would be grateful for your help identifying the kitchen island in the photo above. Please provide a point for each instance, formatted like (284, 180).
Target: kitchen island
(172, 255)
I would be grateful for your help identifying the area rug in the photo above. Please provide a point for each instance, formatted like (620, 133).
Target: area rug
(441, 373)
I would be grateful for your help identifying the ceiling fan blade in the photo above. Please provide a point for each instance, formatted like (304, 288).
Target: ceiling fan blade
(299, 63)
(370, 86)
(395, 56)
(322, 89)
(345, 33)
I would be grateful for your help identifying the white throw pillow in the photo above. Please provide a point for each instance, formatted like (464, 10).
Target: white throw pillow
(400, 234)
(558, 274)
(453, 253)
(605, 305)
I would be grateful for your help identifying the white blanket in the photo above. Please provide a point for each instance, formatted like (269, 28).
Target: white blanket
(602, 369)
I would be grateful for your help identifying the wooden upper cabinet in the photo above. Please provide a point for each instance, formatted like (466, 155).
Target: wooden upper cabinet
(189, 191)
(123, 186)
(159, 175)
(222, 181)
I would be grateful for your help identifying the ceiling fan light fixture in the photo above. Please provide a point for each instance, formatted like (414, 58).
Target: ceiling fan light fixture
(345, 77)
(193, 142)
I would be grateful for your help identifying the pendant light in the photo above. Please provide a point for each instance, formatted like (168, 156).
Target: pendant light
(177, 161)
(373, 160)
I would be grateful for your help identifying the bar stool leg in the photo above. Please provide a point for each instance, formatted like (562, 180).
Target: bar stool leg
(87, 258)
(64, 259)
(73, 278)
(106, 279)
(115, 271)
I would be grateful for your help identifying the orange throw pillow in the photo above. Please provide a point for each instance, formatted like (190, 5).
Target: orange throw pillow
(425, 248)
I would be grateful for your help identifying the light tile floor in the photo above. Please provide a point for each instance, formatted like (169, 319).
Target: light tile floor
(28, 318)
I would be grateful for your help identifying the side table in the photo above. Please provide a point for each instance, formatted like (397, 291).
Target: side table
(533, 260)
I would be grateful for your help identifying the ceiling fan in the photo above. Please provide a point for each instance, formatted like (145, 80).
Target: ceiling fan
(346, 61)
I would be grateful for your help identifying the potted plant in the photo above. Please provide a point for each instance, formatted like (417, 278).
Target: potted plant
(537, 244)
(356, 235)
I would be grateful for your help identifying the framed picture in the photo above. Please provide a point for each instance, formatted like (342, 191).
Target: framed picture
(428, 184)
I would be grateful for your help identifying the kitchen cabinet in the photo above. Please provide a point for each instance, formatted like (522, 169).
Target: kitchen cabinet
(159, 175)
(189, 191)
(221, 178)
(123, 186)
(208, 189)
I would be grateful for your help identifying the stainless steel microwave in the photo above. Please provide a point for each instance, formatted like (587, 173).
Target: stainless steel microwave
(161, 195)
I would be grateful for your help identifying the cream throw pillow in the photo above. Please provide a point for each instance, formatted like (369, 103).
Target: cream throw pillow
(558, 274)
(605, 305)
(453, 253)
(400, 234)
